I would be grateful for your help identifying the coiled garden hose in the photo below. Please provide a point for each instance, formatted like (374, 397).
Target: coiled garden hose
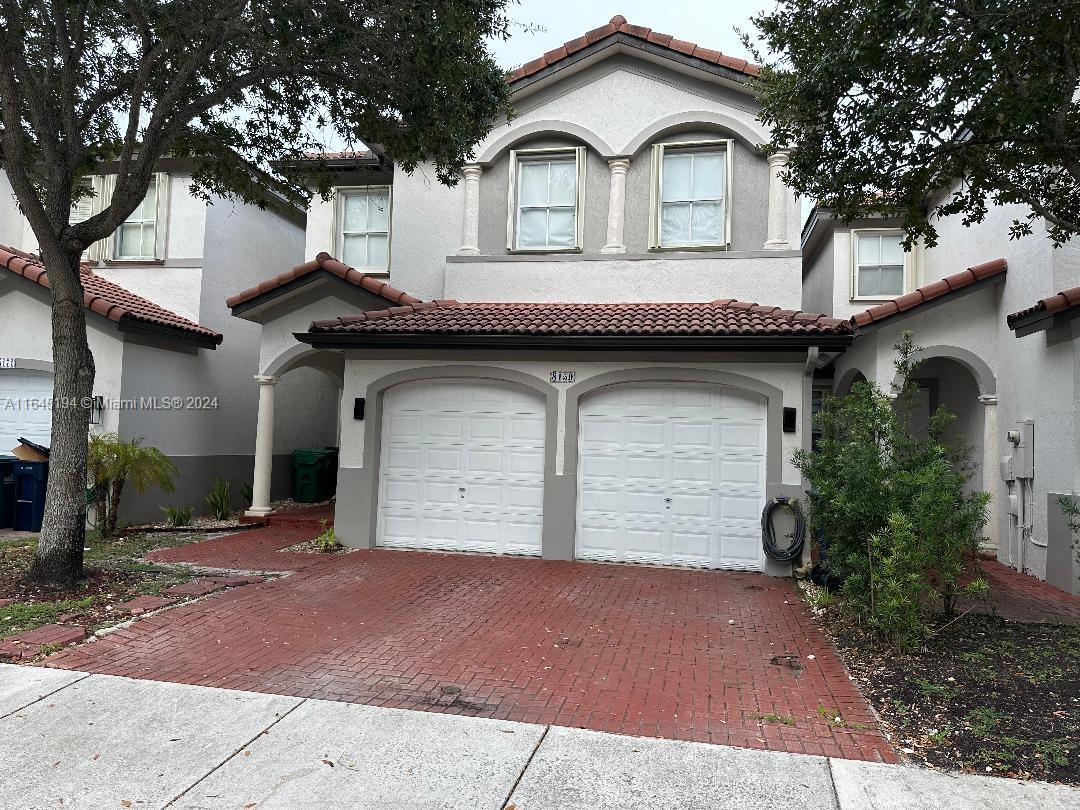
(768, 532)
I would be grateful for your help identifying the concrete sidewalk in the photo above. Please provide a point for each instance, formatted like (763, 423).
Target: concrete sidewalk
(68, 739)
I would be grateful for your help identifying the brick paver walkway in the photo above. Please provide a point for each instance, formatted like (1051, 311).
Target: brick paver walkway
(1023, 598)
(696, 655)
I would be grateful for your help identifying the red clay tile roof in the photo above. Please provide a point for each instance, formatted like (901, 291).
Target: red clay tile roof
(106, 298)
(324, 261)
(619, 25)
(1066, 299)
(718, 318)
(930, 291)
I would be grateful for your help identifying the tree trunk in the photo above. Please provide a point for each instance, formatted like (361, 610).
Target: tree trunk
(59, 558)
(115, 492)
(101, 506)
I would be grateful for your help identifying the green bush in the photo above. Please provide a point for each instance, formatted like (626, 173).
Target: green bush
(892, 505)
(327, 541)
(112, 463)
(219, 501)
(178, 515)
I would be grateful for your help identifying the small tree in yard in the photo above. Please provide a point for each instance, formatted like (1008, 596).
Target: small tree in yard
(113, 463)
(226, 83)
(892, 505)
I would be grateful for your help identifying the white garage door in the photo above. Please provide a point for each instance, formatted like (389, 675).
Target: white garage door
(462, 468)
(24, 411)
(672, 474)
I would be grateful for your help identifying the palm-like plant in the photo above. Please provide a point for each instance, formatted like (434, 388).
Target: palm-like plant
(112, 463)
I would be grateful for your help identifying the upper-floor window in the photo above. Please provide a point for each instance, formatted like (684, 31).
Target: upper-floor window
(546, 187)
(364, 234)
(879, 264)
(692, 191)
(141, 237)
(83, 208)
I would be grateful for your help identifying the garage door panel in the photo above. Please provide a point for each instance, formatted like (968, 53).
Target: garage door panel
(734, 507)
(741, 437)
(472, 454)
(692, 435)
(693, 546)
(672, 474)
(25, 399)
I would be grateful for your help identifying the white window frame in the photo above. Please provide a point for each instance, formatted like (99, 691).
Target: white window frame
(340, 194)
(853, 270)
(517, 156)
(727, 146)
(161, 222)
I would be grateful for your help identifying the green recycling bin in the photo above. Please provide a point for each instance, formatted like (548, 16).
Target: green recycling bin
(314, 474)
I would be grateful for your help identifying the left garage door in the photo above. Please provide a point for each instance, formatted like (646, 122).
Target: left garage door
(24, 411)
(462, 468)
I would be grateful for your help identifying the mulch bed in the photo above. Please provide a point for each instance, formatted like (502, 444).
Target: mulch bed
(983, 695)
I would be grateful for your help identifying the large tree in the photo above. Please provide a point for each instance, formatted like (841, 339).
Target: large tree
(928, 108)
(227, 83)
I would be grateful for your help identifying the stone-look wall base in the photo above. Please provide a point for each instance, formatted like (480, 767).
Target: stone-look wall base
(557, 542)
(354, 518)
(1062, 567)
(197, 474)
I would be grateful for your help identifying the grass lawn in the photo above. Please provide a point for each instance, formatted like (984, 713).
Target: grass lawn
(114, 574)
(983, 694)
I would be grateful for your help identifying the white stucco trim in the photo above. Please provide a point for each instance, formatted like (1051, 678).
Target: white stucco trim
(754, 136)
(530, 129)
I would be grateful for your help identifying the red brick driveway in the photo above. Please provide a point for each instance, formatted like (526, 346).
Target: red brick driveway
(695, 655)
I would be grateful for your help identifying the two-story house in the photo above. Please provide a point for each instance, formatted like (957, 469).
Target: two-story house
(172, 366)
(591, 347)
(1000, 350)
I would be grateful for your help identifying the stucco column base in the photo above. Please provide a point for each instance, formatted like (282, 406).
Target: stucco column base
(470, 222)
(616, 206)
(778, 199)
(264, 449)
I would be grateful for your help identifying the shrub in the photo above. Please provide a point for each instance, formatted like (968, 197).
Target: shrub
(892, 505)
(178, 515)
(247, 493)
(327, 541)
(113, 463)
(219, 501)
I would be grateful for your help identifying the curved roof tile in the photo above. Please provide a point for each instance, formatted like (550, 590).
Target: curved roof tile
(105, 297)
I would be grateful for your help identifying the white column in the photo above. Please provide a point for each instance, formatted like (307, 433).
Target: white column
(470, 227)
(616, 212)
(990, 476)
(778, 204)
(264, 448)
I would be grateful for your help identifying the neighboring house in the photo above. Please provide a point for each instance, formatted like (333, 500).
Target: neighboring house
(1000, 351)
(592, 347)
(172, 366)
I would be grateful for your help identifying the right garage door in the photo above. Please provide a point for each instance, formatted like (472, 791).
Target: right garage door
(672, 474)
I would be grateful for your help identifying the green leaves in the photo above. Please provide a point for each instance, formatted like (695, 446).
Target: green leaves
(892, 505)
(889, 104)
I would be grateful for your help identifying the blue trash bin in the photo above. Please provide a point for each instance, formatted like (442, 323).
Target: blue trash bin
(31, 480)
(7, 491)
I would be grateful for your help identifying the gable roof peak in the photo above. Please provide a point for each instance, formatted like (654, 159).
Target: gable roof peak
(648, 38)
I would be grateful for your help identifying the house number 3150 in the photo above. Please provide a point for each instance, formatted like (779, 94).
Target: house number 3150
(562, 376)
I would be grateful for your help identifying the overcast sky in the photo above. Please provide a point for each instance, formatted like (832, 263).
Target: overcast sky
(707, 22)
